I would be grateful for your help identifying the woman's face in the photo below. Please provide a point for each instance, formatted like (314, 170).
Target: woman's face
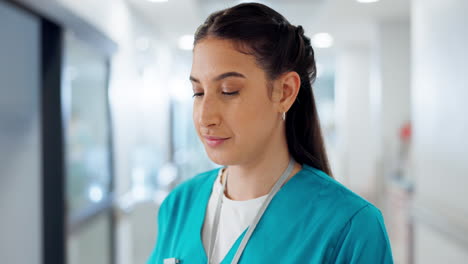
(232, 111)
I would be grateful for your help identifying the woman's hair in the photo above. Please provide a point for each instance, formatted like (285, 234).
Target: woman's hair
(278, 47)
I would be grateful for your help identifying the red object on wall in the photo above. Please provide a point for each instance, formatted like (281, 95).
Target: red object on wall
(405, 132)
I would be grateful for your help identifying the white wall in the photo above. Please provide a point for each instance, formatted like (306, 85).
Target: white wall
(439, 110)
(390, 109)
(393, 56)
(355, 152)
(20, 137)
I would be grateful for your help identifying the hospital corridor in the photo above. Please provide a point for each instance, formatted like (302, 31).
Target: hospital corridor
(100, 120)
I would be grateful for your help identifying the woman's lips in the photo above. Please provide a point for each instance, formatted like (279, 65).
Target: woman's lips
(214, 141)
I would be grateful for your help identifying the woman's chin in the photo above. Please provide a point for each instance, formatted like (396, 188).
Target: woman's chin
(219, 157)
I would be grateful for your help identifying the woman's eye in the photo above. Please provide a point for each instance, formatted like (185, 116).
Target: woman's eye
(231, 93)
(224, 93)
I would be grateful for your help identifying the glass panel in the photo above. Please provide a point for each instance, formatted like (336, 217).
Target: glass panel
(20, 137)
(91, 243)
(87, 153)
(87, 128)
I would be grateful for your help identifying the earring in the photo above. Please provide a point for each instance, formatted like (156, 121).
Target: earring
(284, 115)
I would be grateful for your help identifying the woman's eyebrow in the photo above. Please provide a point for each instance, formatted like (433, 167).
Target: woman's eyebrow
(221, 76)
(228, 74)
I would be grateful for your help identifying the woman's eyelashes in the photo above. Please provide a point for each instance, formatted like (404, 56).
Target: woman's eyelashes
(224, 93)
(231, 93)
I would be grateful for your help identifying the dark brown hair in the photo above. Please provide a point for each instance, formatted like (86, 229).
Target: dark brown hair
(278, 47)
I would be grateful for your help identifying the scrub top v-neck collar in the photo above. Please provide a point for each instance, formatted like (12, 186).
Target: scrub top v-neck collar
(201, 214)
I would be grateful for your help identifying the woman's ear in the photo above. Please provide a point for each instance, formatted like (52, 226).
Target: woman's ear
(286, 89)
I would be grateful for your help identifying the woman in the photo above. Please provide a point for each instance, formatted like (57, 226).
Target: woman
(274, 200)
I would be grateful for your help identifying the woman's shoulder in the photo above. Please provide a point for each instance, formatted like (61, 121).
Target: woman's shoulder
(342, 214)
(334, 197)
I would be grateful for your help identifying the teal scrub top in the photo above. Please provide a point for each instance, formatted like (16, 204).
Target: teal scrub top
(312, 219)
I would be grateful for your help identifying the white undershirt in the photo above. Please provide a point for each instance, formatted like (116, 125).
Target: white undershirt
(235, 217)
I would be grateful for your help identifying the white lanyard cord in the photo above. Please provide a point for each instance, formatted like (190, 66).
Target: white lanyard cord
(255, 221)
(216, 222)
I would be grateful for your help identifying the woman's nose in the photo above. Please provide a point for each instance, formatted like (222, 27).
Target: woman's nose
(209, 115)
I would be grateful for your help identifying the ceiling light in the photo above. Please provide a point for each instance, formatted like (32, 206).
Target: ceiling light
(367, 1)
(186, 42)
(95, 193)
(322, 40)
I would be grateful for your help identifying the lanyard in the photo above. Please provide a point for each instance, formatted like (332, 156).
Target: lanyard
(255, 221)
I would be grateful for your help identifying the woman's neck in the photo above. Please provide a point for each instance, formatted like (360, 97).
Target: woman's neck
(255, 179)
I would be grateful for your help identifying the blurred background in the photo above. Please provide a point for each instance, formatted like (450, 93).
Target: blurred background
(96, 125)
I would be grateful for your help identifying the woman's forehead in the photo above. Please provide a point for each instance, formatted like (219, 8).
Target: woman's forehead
(212, 57)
